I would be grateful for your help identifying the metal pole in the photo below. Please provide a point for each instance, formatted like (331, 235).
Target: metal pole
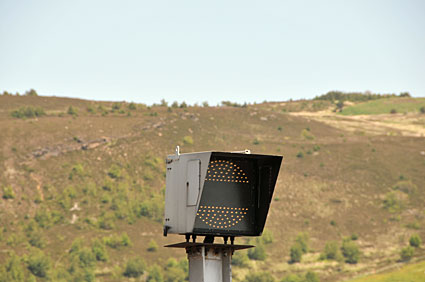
(210, 264)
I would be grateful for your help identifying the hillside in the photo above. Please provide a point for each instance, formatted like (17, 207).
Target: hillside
(83, 185)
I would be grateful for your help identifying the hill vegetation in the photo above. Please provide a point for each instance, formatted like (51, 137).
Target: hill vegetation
(82, 188)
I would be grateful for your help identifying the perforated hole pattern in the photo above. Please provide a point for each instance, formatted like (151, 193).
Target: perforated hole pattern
(221, 217)
(226, 171)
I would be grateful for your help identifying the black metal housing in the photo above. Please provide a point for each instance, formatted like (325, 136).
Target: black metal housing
(236, 196)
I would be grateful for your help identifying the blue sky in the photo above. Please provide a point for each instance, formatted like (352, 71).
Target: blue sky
(212, 51)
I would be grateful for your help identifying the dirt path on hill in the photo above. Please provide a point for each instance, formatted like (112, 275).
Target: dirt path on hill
(387, 124)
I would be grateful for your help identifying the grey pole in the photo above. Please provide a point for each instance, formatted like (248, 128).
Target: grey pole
(209, 262)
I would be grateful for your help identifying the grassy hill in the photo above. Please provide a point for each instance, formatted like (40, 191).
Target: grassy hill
(386, 106)
(83, 182)
(413, 272)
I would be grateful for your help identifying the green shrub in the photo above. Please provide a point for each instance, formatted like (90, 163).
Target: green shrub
(300, 155)
(176, 271)
(39, 264)
(13, 270)
(99, 251)
(132, 106)
(406, 186)
(240, 258)
(155, 274)
(70, 192)
(28, 112)
(350, 251)
(71, 111)
(393, 111)
(307, 135)
(393, 202)
(37, 240)
(311, 277)
(422, 110)
(153, 246)
(77, 170)
(256, 141)
(302, 239)
(8, 193)
(151, 208)
(331, 251)
(115, 241)
(257, 253)
(76, 246)
(295, 253)
(91, 110)
(263, 276)
(407, 253)
(116, 106)
(86, 257)
(307, 277)
(292, 278)
(43, 217)
(188, 140)
(106, 221)
(415, 241)
(135, 267)
(267, 237)
(114, 172)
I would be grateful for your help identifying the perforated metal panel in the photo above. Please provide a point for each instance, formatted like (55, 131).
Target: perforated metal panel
(233, 194)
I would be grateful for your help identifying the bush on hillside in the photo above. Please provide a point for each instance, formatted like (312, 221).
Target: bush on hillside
(36, 239)
(350, 251)
(135, 267)
(28, 112)
(188, 140)
(114, 172)
(355, 96)
(99, 250)
(240, 259)
(422, 110)
(257, 253)
(267, 237)
(331, 251)
(262, 276)
(302, 240)
(8, 193)
(415, 241)
(406, 186)
(155, 274)
(307, 135)
(116, 106)
(393, 202)
(77, 170)
(295, 253)
(71, 111)
(39, 264)
(12, 270)
(406, 253)
(116, 241)
(153, 246)
(31, 92)
(176, 271)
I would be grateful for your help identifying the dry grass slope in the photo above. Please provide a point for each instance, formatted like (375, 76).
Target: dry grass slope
(97, 171)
